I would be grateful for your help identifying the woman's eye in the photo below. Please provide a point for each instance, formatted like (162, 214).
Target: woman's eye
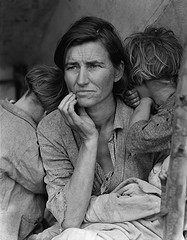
(93, 66)
(71, 67)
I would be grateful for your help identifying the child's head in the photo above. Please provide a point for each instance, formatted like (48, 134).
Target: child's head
(154, 54)
(47, 85)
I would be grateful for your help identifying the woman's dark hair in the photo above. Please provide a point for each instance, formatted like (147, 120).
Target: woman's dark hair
(92, 29)
(48, 86)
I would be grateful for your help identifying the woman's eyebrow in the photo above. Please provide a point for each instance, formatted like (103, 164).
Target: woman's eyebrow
(94, 62)
(70, 63)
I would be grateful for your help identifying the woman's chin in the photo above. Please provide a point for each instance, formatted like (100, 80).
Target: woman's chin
(84, 103)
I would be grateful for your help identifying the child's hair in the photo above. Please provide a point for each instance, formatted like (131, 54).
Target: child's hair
(153, 54)
(47, 84)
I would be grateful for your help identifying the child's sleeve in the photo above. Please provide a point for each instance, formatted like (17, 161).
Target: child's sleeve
(151, 136)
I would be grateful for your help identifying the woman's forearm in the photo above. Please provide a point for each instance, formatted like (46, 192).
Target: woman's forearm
(80, 186)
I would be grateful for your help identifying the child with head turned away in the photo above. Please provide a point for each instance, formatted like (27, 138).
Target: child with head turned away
(22, 187)
(154, 59)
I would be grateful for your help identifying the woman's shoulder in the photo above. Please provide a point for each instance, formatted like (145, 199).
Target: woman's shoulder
(53, 122)
(52, 128)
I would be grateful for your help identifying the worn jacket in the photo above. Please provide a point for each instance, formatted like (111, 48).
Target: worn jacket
(60, 146)
(155, 134)
(22, 187)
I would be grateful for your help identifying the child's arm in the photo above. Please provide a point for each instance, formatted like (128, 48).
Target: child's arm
(154, 134)
(142, 111)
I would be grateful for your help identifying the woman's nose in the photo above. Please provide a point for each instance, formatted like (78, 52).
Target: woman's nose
(82, 77)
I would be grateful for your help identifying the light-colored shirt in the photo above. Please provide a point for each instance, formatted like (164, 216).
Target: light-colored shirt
(22, 187)
(60, 146)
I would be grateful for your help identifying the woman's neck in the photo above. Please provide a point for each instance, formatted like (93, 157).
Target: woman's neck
(103, 115)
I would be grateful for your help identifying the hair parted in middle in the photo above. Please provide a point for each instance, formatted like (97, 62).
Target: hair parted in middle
(93, 29)
(153, 54)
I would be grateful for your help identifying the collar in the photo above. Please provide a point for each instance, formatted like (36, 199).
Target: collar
(17, 111)
(122, 114)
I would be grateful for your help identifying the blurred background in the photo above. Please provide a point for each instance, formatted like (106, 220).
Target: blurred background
(30, 29)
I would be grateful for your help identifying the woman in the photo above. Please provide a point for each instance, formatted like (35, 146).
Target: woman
(83, 144)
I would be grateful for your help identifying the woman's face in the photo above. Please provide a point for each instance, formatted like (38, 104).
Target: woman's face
(89, 73)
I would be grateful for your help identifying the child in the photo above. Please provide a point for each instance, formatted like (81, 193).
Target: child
(22, 188)
(154, 57)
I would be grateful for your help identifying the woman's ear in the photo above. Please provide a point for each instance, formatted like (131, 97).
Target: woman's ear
(119, 72)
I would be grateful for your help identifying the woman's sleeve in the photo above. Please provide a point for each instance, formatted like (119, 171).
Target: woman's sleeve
(150, 136)
(58, 170)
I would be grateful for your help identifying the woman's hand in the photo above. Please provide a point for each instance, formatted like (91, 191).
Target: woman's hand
(132, 98)
(79, 121)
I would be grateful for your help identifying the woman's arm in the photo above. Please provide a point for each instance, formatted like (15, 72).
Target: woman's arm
(69, 187)
(80, 185)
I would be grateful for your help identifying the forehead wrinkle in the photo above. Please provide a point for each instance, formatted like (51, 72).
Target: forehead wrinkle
(87, 53)
(98, 54)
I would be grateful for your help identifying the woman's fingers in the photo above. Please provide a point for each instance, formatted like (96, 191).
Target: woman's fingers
(67, 106)
(64, 101)
(72, 115)
(79, 121)
(64, 105)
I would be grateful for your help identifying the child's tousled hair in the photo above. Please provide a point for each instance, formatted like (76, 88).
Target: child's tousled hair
(47, 84)
(153, 54)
